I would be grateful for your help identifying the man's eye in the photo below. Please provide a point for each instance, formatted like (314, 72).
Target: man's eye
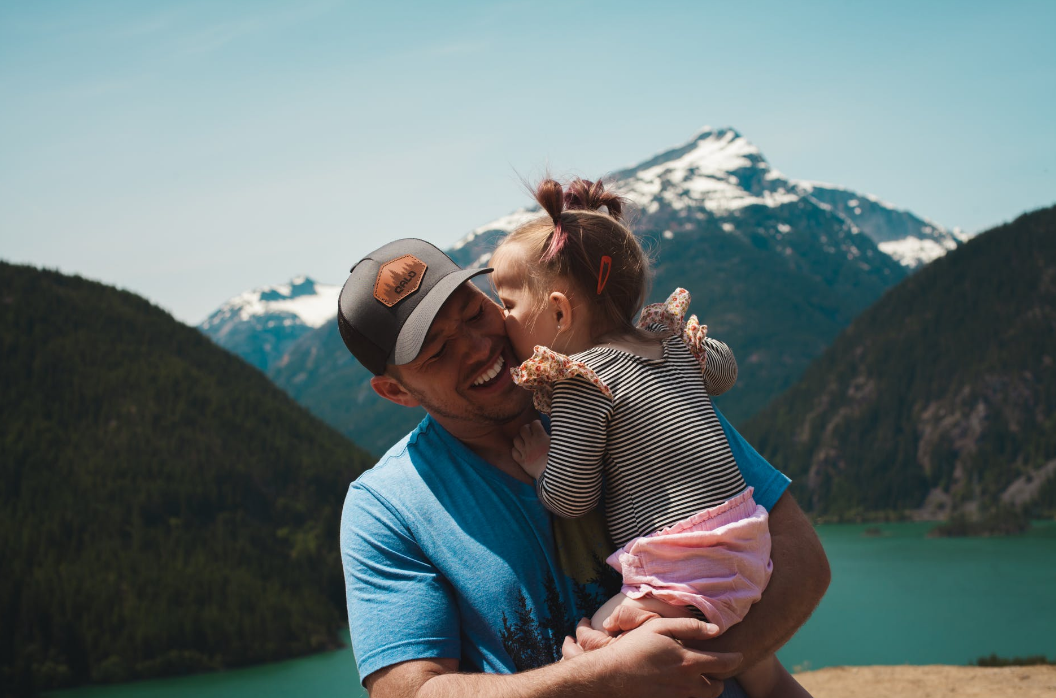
(479, 314)
(438, 354)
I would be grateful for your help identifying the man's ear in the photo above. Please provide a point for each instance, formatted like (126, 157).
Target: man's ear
(560, 309)
(390, 389)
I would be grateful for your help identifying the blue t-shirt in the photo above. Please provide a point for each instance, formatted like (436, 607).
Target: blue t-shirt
(446, 556)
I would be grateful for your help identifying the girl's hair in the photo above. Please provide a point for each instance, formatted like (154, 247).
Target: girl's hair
(583, 241)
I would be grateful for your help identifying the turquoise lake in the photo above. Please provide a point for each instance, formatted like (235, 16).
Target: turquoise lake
(896, 598)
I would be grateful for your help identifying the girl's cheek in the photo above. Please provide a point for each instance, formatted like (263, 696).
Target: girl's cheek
(511, 326)
(516, 334)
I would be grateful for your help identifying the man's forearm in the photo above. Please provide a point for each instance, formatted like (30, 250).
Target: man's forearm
(649, 661)
(580, 677)
(800, 578)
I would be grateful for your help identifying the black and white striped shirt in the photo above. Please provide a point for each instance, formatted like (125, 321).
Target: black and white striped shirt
(655, 450)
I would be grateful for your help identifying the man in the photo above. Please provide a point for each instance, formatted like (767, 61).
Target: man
(459, 582)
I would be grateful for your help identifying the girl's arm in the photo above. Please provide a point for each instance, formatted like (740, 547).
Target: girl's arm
(570, 485)
(720, 369)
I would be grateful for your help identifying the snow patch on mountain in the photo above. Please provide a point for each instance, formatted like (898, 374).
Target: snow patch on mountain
(507, 223)
(301, 301)
(913, 252)
(719, 170)
(262, 324)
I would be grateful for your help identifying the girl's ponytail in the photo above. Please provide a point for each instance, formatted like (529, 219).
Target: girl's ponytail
(551, 197)
(584, 195)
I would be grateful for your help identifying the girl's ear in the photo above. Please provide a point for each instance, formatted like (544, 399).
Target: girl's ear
(560, 309)
(388, 388)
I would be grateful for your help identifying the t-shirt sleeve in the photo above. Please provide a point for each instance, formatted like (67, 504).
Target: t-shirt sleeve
(399, 605)
(769, 482)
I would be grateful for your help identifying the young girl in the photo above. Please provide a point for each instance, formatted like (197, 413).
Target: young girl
(631, 417)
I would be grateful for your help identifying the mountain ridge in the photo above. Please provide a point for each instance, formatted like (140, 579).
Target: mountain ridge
(731, 173)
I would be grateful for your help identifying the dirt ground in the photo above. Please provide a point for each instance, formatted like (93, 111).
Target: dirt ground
(930, 682)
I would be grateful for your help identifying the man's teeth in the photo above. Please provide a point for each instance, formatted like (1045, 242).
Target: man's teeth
(490, 373)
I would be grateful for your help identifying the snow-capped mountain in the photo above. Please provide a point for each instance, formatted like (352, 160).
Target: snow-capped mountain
(721, 175)
(777, 268)
(260, 325)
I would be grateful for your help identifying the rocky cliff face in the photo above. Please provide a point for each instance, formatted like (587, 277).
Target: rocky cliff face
(940, 398)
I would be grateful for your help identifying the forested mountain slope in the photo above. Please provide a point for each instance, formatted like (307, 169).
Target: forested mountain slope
(940, 397)
(163, 507)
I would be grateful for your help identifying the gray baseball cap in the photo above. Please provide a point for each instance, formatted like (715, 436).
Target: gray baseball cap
(391, 297)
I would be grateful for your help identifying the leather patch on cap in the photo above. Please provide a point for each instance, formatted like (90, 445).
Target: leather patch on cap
(399, 278)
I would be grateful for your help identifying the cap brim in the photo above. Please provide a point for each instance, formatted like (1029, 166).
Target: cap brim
(412, 336)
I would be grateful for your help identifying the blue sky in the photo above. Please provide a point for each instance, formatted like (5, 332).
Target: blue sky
(189, 151)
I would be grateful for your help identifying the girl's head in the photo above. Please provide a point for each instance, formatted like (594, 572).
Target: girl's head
(574, 276)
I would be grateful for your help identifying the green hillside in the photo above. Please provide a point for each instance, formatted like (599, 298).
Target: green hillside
(164, 508)
(941, 396)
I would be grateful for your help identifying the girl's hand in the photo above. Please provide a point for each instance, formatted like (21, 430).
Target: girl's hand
(531, 447)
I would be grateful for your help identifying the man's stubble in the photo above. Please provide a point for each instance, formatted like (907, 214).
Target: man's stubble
(504, 412)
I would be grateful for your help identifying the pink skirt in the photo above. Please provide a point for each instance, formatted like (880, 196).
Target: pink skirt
(717, 561)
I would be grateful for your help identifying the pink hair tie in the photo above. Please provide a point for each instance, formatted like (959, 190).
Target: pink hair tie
(557, 242)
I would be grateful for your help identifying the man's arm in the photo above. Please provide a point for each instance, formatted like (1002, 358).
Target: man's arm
(647, 662)
(801, 576)
(801, 570)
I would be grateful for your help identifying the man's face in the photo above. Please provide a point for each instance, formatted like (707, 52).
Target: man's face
(463, 369)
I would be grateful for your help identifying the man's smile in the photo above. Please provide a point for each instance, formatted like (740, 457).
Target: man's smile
(495, 375)
(492, 371)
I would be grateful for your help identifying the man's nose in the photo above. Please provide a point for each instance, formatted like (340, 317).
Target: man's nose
(479, 344)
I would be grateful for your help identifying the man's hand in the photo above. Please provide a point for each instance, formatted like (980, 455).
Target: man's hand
(647, 662)
(801, 575)
(531, 447)
(659, 663)
(623, 619)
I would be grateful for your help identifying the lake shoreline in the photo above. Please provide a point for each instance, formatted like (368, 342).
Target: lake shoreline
(931, 680)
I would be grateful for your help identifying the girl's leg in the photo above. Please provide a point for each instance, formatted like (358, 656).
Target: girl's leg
(646, 603)
(769, 679)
